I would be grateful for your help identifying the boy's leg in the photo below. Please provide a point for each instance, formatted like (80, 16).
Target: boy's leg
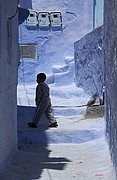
(49, 114)
(39, 112)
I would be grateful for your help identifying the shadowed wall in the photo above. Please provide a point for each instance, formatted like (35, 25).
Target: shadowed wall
(110, 53)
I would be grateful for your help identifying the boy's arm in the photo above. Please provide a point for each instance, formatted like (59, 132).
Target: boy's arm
(38, 95)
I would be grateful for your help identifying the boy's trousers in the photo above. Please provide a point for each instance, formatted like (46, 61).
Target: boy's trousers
(44, 107)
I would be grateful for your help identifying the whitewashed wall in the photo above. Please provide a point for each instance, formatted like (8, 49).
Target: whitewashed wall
(54, 46)
(8, 78)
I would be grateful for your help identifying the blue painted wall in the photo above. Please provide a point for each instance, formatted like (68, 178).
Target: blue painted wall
(54, 46)
(89, 62)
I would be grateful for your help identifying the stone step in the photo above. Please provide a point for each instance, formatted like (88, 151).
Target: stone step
(59, 68)
(44, 137)
(65, 78)
(71, 129)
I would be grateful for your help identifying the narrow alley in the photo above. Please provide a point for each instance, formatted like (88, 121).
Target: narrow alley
(75, 150)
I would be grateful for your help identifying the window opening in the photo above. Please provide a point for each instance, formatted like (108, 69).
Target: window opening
(28, 51)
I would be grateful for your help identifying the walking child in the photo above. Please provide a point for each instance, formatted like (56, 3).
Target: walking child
(43, 103)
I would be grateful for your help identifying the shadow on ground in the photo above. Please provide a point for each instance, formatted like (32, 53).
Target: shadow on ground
(30, 160)
(27, 135)
(29, 163)
(25, 114)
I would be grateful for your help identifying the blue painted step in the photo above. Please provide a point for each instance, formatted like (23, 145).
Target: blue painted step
(44, 136)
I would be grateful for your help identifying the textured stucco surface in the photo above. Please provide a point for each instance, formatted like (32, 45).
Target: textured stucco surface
(110, 39)
(89, 61)
(54, 46)
(8, 80)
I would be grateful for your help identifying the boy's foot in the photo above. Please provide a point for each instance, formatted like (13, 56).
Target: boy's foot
(53, 124)
(31, 124)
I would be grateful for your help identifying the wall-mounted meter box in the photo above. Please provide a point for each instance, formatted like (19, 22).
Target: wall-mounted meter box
(32, 19)
(56, 19)
(43, 19)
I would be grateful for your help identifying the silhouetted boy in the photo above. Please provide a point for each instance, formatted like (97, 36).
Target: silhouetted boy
(43, 103)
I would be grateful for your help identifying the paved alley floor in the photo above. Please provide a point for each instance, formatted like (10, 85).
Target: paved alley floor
(87, 161)
(75, 150)
(64, 155)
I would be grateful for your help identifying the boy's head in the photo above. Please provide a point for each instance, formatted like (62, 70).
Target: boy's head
(41, 77)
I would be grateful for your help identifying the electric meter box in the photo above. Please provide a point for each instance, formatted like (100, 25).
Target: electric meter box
(56, 19)
(43, 19)
(32, 19)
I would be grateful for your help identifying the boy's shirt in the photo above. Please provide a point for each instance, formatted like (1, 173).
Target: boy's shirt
(42, 92)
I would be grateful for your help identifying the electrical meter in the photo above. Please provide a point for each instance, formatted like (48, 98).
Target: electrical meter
(56, 19)
(43, 19)
(32, 19)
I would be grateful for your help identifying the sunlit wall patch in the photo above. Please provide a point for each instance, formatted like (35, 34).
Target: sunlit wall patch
(98, 10)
